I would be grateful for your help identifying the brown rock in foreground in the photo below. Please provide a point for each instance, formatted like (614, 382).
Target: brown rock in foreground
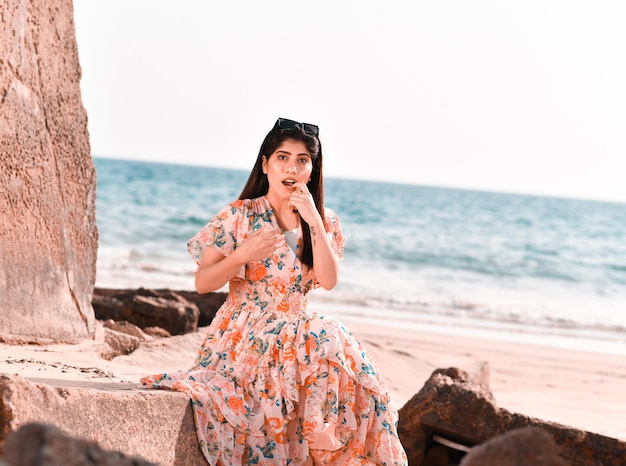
(177, 312)
(153, 424)
(117, 344)
(526, 446)
(147, 308)
(453, 407)
(41, 444)
(48, 234)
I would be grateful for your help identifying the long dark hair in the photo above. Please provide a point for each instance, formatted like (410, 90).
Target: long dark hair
(258, 185)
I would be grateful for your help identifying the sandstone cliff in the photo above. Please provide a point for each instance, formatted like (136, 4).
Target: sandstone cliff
(48, 235)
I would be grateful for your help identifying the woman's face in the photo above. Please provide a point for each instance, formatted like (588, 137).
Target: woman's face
(290, 163)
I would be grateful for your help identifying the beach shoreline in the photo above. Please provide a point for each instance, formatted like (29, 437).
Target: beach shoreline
(580, 389)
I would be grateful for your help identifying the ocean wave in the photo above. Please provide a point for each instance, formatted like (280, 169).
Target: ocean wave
(491, 259)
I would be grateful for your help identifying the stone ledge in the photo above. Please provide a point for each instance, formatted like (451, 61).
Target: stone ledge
(156, 425)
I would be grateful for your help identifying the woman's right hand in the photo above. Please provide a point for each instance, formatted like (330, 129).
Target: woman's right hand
(215, 270)
(260, 245)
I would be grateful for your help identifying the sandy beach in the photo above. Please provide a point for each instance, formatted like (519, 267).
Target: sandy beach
(579, 389)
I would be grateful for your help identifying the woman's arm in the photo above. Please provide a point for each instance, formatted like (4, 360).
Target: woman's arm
(325, 262)
(215, 270)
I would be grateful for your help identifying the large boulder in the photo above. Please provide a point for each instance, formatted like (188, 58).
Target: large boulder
(147, 308)
(37, 444)
(526, 445)
(452, 414)
(176, 311)
(156, 425)
(48, 235)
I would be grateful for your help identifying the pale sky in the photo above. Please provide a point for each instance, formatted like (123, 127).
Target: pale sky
(519, 96)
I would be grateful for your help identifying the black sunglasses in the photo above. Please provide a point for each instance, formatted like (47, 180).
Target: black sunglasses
(307, 128)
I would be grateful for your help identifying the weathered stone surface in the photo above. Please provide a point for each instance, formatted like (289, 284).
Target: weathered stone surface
(153, 424)
(157, 332)
(111, 302)
(48, 234)
(42, 444)
(126, 328)
(450, 405)
(118, 344)
(177, 312)
(524, 446)
(148, 308)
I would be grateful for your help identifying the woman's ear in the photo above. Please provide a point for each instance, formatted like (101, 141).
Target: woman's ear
(264, 165)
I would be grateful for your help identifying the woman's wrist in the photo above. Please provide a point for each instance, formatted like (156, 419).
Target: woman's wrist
(317, 226)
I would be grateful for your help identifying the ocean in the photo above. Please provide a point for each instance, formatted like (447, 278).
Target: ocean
(523, 268)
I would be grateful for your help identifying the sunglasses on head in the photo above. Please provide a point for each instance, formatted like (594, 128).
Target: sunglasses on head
(307, 128)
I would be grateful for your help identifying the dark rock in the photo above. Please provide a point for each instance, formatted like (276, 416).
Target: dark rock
(438, 455)
(147, 308)
(126, 328)
(42, 444)
(525, 446)
(156, 425)
(157, 332)
(453, 407)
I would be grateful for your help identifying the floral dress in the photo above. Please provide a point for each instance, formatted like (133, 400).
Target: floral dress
(276, 384)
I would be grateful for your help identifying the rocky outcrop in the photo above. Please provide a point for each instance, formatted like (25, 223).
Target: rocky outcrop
(152, 424)
(177, 312)
(39, 444)
(527, 445)
(48, 235)
(451, 421)
(452, 414)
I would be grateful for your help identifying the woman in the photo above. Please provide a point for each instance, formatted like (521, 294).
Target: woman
(273, 383)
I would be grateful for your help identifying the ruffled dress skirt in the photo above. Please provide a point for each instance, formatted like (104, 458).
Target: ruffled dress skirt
(276, 385)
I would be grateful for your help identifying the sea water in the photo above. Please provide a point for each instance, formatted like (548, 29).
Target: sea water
(494, 265)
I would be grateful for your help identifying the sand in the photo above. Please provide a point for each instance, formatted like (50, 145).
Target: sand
(581, 389)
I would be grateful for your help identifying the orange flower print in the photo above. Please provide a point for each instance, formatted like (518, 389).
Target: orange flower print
(283, 306)
(275, 356)
(356, 446)
(309, 426)
(279, 287)
(364, 401)
(256, 271)
(351, 362)
(289, 353)
(310, 344)
(236, 404)
(224, 324)
(349, 389)
(235, 337)
(275, 423)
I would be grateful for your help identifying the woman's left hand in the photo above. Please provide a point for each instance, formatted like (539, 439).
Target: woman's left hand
(302, 200)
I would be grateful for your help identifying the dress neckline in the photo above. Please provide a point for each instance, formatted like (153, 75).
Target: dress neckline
(272, 211)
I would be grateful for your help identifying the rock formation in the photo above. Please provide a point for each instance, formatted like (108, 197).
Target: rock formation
(452, 414)
(177, 312)
(48, 235)
(526, 445)
(37, 444)
(156, 425)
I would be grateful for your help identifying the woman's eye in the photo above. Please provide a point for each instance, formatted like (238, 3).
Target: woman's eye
(281, 157)
(304, 160)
